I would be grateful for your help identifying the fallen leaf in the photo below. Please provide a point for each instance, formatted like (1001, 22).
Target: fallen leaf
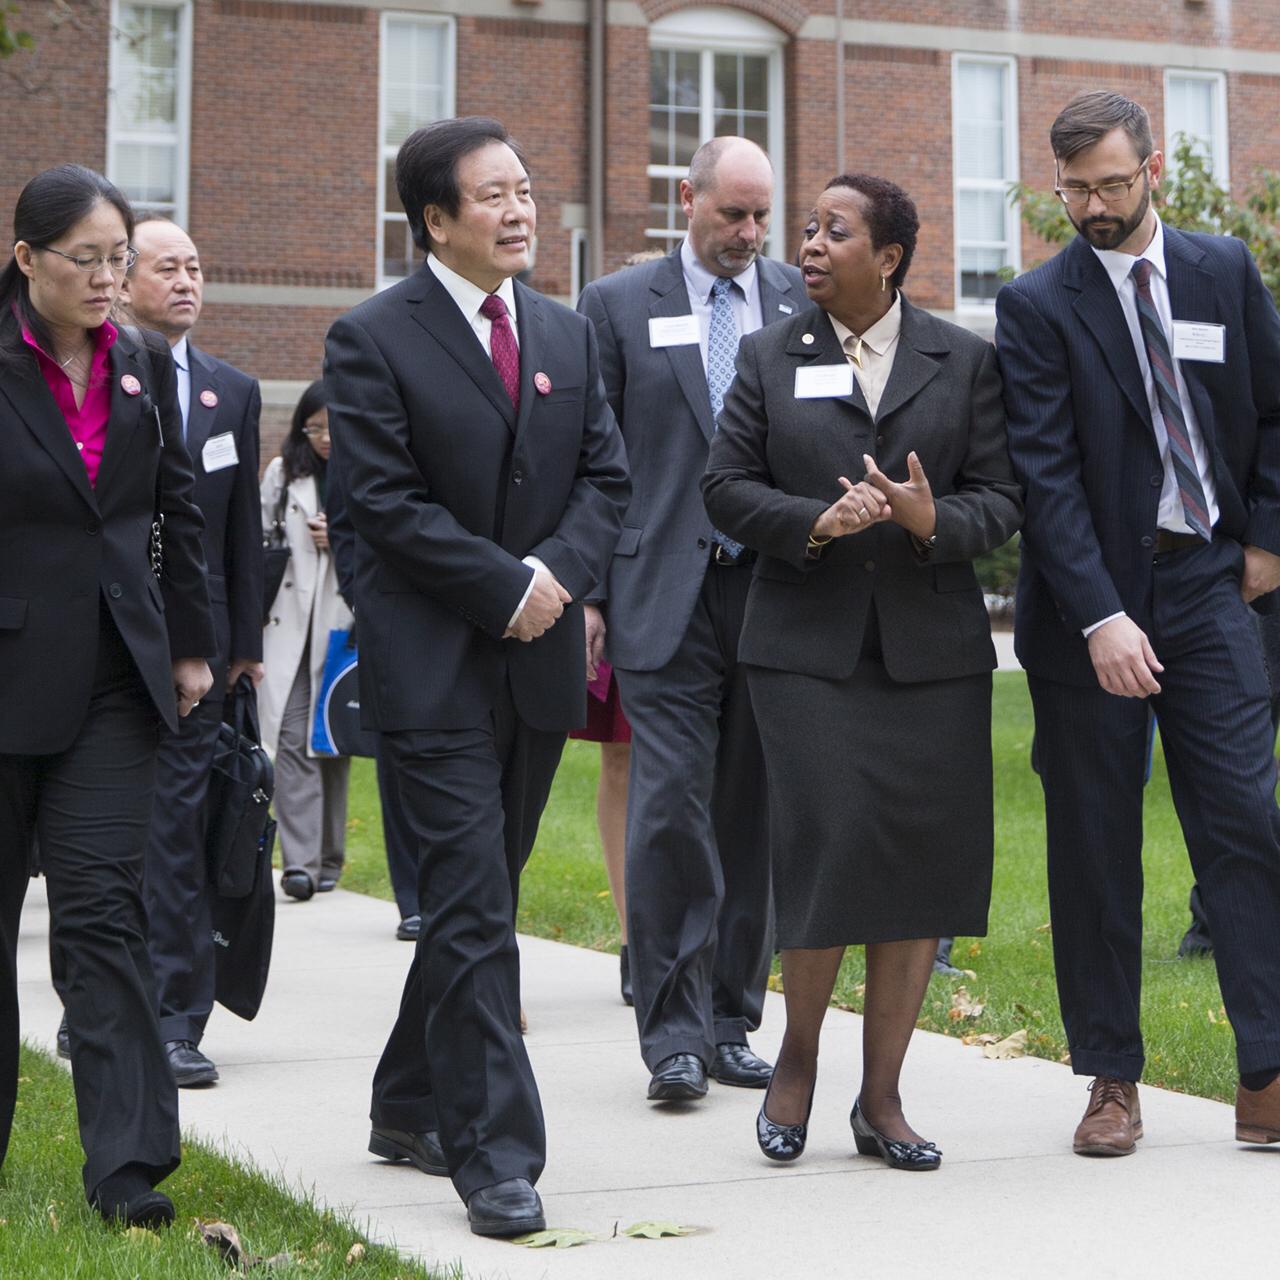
(987, 1037)
(1014, 1046)
(656, 1230)
(355, 1253)
(1034, 1014)
(963, 1006)
(141, 1235)
(223, 1237)
(860, 990)
(53, 1220)
(775, 982)
(604, 893)
(555, 1238)
(974, 950)
(1047, 927)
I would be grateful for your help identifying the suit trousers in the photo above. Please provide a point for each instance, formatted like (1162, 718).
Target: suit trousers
(397, 838)
(455, 1060)
(90, 807)
(311, 791)
(699, 901)
(179, 895)
(1214, 713)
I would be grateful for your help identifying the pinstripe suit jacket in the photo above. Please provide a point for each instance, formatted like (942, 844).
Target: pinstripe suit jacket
(1083, 446)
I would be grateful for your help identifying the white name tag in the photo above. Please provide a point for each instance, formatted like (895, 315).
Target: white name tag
(674, 331)
(219, 452)
(823, 381)
(1193, 340)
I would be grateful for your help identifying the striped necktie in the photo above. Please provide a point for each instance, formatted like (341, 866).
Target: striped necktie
(1194, 506)
(722, 354)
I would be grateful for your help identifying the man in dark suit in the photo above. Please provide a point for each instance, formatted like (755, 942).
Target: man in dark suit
(220, 407)
(1142, 383)
(486, 480)
(699, 920)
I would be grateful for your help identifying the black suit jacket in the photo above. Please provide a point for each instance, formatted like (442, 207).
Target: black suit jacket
(773, 470)
(64, 544)
(228, 501)
(1082, 442)
(448, 488)
(660, 398)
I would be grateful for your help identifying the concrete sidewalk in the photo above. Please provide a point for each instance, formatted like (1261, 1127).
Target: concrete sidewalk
(1010, 1199)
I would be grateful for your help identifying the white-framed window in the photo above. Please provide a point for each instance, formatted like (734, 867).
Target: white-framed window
(149, 104)
(416, 79)
(711, 72)
(579, 263)
(984, 116)
(1195, 107)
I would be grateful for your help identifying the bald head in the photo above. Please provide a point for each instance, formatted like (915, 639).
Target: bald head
(165, 288)
(728, 198)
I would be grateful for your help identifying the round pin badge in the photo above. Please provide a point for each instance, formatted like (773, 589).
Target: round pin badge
(542, 383)
(209, 399)
(807, 339)
(130, 385)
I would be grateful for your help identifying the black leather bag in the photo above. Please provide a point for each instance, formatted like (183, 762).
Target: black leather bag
(275, 557)
(243, 930)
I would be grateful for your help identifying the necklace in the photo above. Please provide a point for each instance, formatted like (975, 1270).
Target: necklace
(79, 351)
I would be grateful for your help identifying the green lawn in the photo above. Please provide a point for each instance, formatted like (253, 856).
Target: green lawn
(1189, 1045)
(48, 1232)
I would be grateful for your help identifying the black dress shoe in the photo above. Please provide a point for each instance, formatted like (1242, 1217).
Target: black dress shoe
(735, 1064)
(297, 884)
(327, 884)
(782, 1142)
(64, 1039)
(409, 928)
(624, 971)
(127, 1199)
(510, 1208)
(190, 1067)
(422, 1150)
(1196, 941)
(679, 1078)
(916, 1156)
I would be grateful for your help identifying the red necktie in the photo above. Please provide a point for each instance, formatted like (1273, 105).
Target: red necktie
(502, 346)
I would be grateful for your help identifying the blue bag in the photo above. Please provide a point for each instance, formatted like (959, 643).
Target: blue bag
(336, 729)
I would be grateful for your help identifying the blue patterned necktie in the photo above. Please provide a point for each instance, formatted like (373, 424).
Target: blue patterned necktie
(722, 352)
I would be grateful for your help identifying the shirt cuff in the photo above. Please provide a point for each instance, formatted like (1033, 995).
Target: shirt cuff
(535, 564)
(1102, 622)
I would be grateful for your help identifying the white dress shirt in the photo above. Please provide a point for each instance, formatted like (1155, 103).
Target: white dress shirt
(182, 365)
(1119, 267)
(469, 299)
(879, 346)
(745, 299)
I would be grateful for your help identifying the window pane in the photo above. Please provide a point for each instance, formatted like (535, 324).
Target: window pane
(1191, 110)
(400, 256)
(755, 84)
(757, 129)
(664, 204)
(413, 90)
(392, 203)
(980, 120)
(979, 274)
(660, 76)
(687, 75)
(146, 172)
(728, 97)
(981, 215)
(146, 69)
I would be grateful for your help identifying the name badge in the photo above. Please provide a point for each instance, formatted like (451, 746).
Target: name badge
(1193, 340)
(219, 452)
(824, 381)
(674, 331)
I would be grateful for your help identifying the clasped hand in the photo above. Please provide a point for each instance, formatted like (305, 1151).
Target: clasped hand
(545, 604)
(876, 499)
(192, 679)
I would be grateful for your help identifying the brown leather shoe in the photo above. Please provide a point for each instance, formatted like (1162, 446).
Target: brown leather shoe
(1112, 1122)
(1258, 1113)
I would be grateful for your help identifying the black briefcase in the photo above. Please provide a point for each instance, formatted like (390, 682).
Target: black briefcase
(240, 790)
(243, 931)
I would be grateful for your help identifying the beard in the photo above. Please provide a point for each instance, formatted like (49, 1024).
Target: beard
(736, 258)
(1106, 232)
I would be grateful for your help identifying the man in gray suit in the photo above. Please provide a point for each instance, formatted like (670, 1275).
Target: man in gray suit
(699, 917)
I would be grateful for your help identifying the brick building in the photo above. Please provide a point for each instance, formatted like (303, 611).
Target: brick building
(268, 127)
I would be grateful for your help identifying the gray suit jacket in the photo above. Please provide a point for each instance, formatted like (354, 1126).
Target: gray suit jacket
(661, 401)
(774, 468)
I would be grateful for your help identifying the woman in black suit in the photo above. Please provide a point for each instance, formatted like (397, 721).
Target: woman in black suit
(97, 652)
(868, 648)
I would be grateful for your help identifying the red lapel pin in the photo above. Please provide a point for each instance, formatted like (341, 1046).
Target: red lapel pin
(130, 385)
(209, 398)
(542, 383)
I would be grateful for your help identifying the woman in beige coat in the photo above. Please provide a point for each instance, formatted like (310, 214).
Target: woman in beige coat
(311, 791)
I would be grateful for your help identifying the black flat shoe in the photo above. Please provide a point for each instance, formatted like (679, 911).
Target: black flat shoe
(624, 973)
(735, 1064)
(679, 1078)
(64, 1039)
(327, 884)
(918, 1157)
(509, 1208)
(297, 884)
(782, 1142)
(409, 929)
(422, 1150)
(127, 1199)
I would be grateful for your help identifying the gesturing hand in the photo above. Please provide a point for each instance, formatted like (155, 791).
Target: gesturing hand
(1123, 659)
(545, 604)
(912, 501)
(859, 507)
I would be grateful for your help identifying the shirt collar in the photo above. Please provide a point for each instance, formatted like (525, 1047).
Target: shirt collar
(1119, 265)
(700, 281)
(104, 338)
(882, 335)
(181, 357)
(470, 297)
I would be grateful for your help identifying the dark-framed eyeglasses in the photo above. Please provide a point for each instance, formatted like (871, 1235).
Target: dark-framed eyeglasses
(118, 262)
(1108, 192)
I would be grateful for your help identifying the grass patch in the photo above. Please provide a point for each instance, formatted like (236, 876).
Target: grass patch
(48, 1231)
(565, 896)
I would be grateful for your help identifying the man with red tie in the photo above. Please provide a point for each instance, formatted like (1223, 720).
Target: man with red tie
(486, 481)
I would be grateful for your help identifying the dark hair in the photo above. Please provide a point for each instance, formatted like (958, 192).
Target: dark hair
(300, 459)
(427, 166)
(48, 207)
(1089, 117)
(890, 216)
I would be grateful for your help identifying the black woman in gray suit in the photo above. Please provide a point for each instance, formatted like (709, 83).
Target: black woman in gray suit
(861, 452)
